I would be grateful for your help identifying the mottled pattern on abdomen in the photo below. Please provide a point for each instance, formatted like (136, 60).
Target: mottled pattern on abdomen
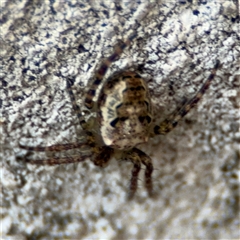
(125, 111)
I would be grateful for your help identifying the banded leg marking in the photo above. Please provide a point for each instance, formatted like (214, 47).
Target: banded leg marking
(57, 147)
(57, 161)
(134, 179)
(168, 124)
(103, 69)
(146, 160)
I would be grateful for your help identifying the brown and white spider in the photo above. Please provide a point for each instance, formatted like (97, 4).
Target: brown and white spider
(124, 120)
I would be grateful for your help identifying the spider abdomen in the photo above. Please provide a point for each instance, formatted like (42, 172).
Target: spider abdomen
(125, 111)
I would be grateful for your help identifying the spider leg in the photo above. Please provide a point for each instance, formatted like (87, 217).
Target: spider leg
(100, 73)
(168, 124)
(134, 158)
(117, 52)
(57, 147)
(147, 161)
(137, 157)
(103, 69)
(57, 161)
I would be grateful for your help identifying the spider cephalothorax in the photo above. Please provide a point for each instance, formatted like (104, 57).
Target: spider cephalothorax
(124, 120)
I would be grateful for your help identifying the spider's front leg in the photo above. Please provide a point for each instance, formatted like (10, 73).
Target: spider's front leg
(103, 69)
(57, 160)
(53, 148)
(58, 148)
(137, 157)
(170, 123)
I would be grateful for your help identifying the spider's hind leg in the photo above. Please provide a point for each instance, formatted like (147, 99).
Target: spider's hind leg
(57, 161)
(137, 157)
(147, 161)
(86, 148)
(168, 124)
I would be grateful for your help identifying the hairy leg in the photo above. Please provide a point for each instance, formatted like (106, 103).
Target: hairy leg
(134, 158)
(57, 161)
(89, 147)
(168, 124)
(89, 143)
(137, 157)
(147, 161)
(54, 148)
(103, 69)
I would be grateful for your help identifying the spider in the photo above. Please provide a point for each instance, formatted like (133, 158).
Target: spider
(124, 120)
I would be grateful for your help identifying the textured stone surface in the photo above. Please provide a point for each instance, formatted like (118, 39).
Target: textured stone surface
(195, 175)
